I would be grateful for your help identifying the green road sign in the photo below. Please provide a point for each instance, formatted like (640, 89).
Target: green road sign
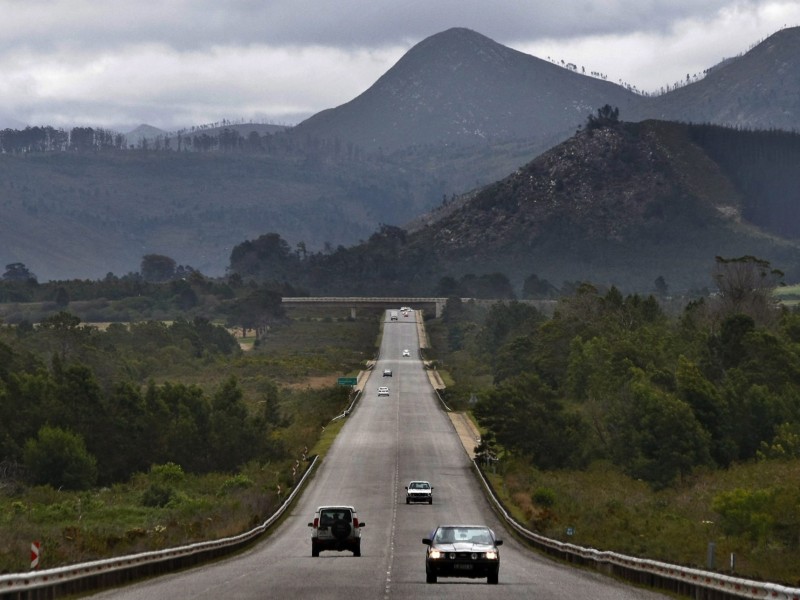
(348, 380)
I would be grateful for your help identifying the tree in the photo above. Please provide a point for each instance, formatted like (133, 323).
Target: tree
(59, 458)
(654, 435)
(256, 310)
(533, 287)
(268, 256)
(661, 287)
(526, 417)
(66, 331)
(709, 408)
(157, 268)
(234, 438)
(746, 286)
(79, 405)
(61, 297)
(82, 139)
(270, 399)
(18, 272)
(606, 117)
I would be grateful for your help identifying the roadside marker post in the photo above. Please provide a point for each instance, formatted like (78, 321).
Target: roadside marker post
(36, 551)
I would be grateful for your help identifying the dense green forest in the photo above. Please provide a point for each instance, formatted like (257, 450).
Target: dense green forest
(616, 378)
(120, 437)
(161, 290)
(654, 412)
(386, 264)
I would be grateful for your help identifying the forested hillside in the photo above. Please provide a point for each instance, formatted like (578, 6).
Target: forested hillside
(612, 391)
(624, 204)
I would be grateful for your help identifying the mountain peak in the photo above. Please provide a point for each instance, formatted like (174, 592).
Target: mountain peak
(461, 87)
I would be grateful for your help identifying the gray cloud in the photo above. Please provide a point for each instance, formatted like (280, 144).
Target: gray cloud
(174, 63)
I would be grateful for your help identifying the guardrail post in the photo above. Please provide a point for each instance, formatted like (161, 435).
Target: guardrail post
(710, 555)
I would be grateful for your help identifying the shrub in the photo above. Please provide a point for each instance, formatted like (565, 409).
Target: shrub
(59, 458)
(157, 496)
(544, 497)
(168, 472)
(745, 512)
(236, 482)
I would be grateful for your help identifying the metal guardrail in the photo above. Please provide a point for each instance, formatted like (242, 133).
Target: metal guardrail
(62, 581)
(349, 409)
(699, 584)
(444, 404)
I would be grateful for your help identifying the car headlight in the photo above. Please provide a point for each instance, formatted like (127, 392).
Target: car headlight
(491, 555)
(435, 554)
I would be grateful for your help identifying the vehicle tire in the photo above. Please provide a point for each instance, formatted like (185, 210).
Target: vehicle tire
(430, 500)
(493, 578)
(340, 530)
(408, 501)
(357, 550)
(430, 577)
(314, 551)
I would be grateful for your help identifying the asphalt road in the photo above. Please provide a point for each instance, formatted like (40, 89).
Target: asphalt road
(385, 443)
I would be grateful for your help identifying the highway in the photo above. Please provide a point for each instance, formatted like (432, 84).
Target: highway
(385, 443)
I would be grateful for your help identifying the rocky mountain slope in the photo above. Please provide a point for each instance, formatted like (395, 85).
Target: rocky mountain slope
(623, 204)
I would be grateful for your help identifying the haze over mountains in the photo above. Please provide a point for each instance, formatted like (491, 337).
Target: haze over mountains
(458, 111)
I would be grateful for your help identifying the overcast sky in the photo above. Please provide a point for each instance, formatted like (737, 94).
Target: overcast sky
(176, 63)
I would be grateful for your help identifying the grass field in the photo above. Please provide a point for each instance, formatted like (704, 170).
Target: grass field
(788, 295)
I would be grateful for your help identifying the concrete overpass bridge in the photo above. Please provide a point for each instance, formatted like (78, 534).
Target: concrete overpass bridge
(430, 305)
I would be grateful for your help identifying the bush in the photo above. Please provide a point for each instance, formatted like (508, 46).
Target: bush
(544, 497)
(236, 482)
(167, 473)
(59, 458)
(157, 496)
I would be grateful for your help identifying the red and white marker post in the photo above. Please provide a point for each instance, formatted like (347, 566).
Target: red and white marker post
(36, 551)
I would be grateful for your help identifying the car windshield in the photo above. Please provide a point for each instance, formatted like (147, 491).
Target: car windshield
(419, 485)
(474, 535)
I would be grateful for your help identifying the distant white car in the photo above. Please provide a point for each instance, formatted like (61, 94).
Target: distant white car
(419, 491)
(387, 372)
(406, 352)
(383, 391)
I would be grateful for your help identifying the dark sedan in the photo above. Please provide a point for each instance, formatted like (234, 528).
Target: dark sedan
(462, 551)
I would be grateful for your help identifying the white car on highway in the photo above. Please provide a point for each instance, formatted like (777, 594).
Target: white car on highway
(383, 391)
(419, 491)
